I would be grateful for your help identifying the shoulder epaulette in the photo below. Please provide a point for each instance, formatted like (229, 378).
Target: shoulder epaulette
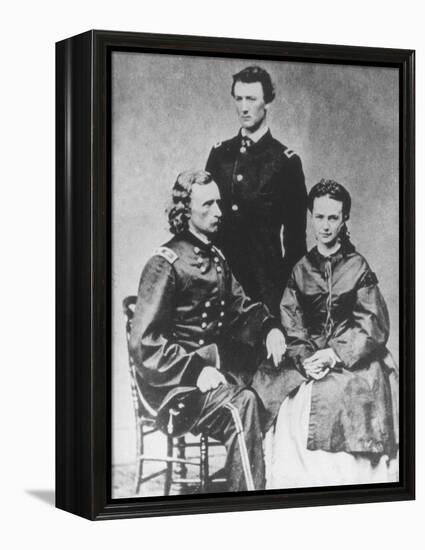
(166, 253)
(219, 252)
(289, 153)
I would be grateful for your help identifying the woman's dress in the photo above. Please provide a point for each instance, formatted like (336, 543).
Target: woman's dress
(342, 429)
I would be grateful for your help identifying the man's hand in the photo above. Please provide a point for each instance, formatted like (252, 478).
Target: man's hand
(209, 379)
(276, 346)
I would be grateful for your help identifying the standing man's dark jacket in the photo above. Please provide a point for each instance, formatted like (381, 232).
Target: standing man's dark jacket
(263, 190)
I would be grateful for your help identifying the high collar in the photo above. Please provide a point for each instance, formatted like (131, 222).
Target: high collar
(261, 144)
(200, 237)
(257, 135)
(196, 241)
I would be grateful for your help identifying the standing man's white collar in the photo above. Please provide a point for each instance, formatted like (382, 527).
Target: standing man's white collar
(257, 135)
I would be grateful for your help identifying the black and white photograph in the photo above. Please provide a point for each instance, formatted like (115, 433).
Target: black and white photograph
(255, 286)
(212, 234)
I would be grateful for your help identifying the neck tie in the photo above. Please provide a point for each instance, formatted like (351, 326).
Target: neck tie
(246, 143)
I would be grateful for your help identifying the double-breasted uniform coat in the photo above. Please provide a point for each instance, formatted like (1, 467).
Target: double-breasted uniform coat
(192, 313)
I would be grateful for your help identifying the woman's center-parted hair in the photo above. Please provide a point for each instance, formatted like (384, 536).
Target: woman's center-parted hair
(179, 210)
(333, 190)
(337, 192)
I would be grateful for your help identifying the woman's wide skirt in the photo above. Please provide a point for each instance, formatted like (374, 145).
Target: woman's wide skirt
(289, 464)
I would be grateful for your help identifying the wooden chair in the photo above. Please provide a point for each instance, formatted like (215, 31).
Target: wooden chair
(176, 463)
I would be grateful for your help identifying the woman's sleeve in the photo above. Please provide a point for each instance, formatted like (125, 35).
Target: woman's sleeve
(300, 346)
(366, 330)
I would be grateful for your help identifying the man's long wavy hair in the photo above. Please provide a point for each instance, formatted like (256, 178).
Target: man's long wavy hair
(179, 210)
(337, 192)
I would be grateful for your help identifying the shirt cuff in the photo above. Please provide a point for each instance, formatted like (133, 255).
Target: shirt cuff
(270, 323)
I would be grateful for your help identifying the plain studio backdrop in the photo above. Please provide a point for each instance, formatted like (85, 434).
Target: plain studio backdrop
(27, 100)
(167, 113)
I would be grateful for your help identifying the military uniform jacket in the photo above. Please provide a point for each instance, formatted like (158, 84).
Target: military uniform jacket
(189, 305)
(262, 189)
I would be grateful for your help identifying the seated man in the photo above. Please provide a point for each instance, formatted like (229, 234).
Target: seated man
(196, 334)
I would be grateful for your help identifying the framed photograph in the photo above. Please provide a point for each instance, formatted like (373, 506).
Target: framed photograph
(235, 275)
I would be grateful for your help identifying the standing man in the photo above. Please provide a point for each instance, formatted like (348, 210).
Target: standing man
(193, 326)
(264, 196)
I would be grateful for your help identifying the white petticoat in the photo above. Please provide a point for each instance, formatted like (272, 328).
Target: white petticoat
(290, 464)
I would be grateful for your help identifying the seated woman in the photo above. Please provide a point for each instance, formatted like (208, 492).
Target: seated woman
(335, 394)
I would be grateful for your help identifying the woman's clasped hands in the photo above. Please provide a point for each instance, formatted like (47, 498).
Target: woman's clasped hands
(318, 365)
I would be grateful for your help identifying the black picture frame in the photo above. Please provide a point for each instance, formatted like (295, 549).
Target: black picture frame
(83, 382)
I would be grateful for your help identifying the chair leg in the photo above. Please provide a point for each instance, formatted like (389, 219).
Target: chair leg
(181, 468)
(204, 467)
(140, 448)
(169, 467)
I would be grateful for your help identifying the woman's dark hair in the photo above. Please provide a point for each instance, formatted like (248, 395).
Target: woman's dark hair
(179, 210)
(337, 192)
(255, 74)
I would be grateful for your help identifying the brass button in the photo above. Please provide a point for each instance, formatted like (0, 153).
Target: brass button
(235, 207)
(197, 250)
(220, 324)
(204, 325)
(204, 315)
(216, 259)
(203, 269)
(222, 302)
(201, 342)
(221, 313)
(208, 304)
(218, 269)
(239, 177)
(242, 149)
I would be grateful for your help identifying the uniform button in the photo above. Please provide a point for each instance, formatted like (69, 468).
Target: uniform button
(239, 177)
(218, 269)
(197, 250)
(204, 315)
(216, 259)
(221, 313)
(203, 269)
(235, 207)
(201, 342)
(204, 325)
(222, 302)
(220, 324)
(242, 149)
(208, 304)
